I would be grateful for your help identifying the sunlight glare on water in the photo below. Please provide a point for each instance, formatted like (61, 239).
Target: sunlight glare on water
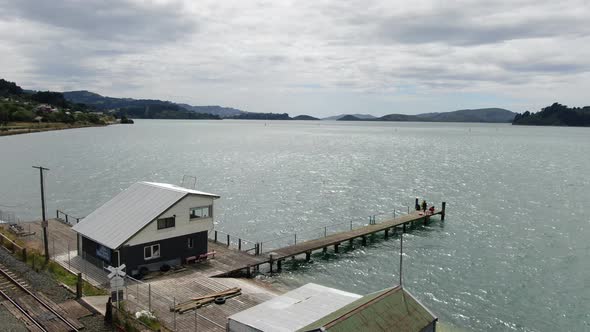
(512, 254)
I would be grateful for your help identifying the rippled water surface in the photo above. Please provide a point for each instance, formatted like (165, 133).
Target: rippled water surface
(513, 253)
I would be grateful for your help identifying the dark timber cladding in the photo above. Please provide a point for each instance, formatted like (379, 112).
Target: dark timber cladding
(171, 251)
(174, 251)
(335, 240)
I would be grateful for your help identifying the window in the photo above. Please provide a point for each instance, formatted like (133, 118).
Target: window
(151, 252)
(166, 223)
(190, 242)
(201, 212)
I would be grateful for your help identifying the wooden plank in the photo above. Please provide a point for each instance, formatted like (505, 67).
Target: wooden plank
(74, 309)
(60, 311)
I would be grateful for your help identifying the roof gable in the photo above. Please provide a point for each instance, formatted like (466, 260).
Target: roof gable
(392, 309)
(124, 215)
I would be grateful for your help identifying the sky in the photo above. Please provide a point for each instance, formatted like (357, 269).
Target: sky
(318, 57)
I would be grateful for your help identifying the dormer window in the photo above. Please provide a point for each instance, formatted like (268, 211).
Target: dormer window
(201, 212)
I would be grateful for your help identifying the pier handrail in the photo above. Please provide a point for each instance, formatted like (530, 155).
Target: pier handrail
(67, 218)
(298, 236)
(239, 242)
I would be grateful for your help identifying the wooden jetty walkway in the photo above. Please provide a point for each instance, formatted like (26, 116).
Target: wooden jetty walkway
(335, 240)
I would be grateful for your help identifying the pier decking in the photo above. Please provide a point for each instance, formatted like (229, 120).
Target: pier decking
(335, 240)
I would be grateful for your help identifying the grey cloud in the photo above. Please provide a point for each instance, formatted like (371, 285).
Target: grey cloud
(547, 67)
(106, 20)
(456, 29)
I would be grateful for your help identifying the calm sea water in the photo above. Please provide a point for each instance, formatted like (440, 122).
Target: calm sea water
(512, 255)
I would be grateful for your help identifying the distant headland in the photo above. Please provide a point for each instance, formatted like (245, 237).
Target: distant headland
(555, 115)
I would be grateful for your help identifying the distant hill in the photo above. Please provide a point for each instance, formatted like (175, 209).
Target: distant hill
(224, 112)
(350, 117)
(109, 103)
(497, 115)
(358, 116)
(556, 115)
(304, 117)
(492, 115)
(399, 117)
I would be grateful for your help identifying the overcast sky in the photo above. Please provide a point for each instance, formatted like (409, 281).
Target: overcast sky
(305, 57)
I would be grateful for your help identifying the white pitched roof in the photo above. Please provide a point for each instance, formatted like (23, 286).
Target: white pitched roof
(292, 310)
(124, 215)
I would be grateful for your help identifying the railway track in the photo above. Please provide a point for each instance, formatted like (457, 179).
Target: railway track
(37, 313)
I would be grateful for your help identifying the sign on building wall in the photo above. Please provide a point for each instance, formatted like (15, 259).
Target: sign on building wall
(104, 253)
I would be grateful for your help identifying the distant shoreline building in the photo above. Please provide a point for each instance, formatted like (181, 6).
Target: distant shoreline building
(146, 226)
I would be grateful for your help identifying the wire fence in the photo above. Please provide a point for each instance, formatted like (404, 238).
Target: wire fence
(140, 296)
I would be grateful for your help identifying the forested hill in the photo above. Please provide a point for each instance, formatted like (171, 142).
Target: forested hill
(556, 115)
(163, 109)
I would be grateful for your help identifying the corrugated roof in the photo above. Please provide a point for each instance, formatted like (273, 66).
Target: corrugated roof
(124, 215)
(392, 309)
(293, 309)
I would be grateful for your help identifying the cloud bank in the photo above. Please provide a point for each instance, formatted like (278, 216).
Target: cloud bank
(320, 58)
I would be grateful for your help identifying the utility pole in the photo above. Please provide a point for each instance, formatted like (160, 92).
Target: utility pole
(44, 222)
(401, 256)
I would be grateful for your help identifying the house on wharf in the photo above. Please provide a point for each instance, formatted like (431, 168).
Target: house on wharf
(146, 226)
(315, 308)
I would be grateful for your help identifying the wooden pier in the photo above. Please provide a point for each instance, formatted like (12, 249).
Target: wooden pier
(336, 240)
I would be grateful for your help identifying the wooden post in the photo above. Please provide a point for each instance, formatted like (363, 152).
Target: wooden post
(228, 240)
(325, 249)
(79, 284)
(325, 230)
(215, 237)
(417, 205)
(295, 237)
(364, 240)
(307, 256)
(404, 229)
(442, 214)
(248, 272)
(256, 250)
(270, 263)
(56, 214)
(239, 244)
(279, 265)
(68, 223)
(351, 242)
(336, 247)
(386, 233)
(25, 255)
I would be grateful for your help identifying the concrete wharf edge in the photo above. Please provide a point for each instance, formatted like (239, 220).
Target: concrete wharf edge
(307, 247)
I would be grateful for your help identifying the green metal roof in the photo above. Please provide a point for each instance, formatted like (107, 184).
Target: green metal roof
(392, 309)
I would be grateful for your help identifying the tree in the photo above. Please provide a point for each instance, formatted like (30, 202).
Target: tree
(51, 98)
(9, 88)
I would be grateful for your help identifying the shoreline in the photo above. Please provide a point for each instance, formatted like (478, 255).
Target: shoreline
(31, 130)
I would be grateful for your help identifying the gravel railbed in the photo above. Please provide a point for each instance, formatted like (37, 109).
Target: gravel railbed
(44, 283)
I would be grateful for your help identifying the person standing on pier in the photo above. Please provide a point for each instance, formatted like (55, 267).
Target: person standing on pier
(424, 206)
